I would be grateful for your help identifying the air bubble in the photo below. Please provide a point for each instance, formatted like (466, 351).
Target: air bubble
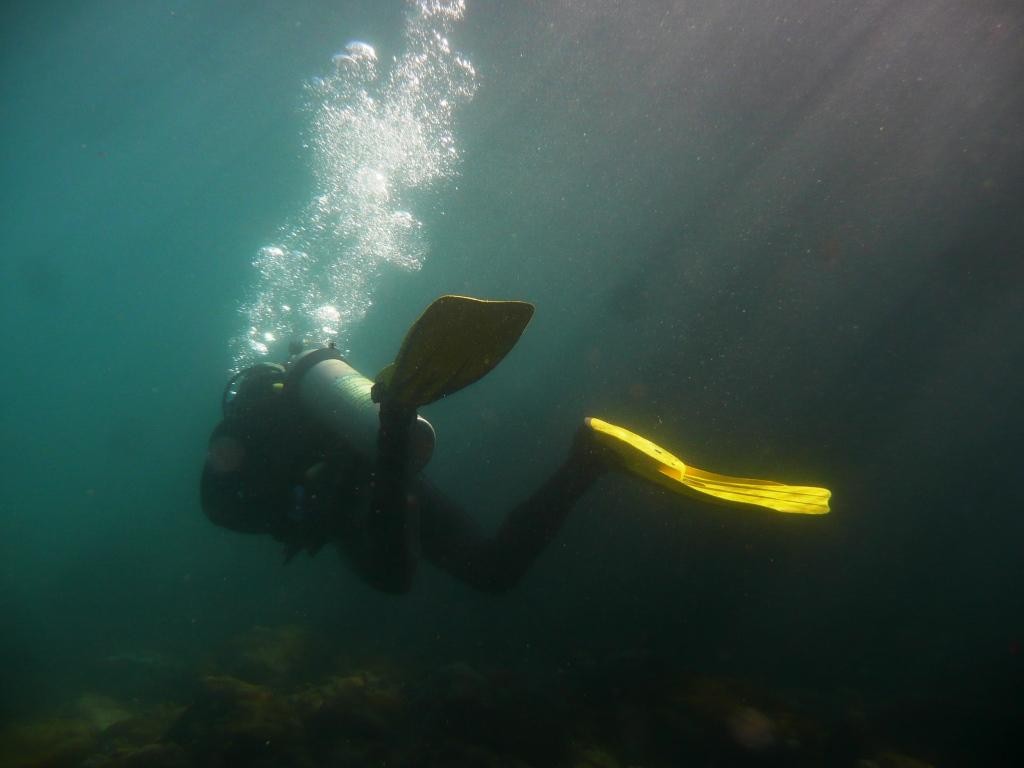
(373, 140)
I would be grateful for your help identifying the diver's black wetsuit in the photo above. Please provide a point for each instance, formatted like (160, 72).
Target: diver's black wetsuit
(272, 470)
(452, 540)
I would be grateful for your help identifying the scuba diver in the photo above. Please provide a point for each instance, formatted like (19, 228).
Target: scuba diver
(311, 452)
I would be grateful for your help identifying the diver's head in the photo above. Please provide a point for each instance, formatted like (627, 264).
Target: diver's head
(233, 494)
(246, 451)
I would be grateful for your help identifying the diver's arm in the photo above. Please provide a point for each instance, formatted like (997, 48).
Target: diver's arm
(386, 557)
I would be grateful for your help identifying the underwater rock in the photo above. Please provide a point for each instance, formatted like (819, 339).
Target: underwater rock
(361, 705)
(498, 712)
(752, 729)
(141, 729)
(893, 760)
(99, 711)
(356, 719)
(591, 756)
(232, 722)
(143, 674)
(460, 683)
(617, 703)
(730, 719)
(149, 756)
(50, 743)
(99, 726)
(448, 754)
(271, 655)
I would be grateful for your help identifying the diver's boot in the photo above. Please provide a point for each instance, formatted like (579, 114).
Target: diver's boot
(592, 455)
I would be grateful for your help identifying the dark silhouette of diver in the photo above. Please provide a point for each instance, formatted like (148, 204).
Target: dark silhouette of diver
(311, 452)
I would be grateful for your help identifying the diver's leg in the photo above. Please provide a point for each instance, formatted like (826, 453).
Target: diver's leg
(453, 541)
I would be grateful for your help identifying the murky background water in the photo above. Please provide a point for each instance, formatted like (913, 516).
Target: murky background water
(783, 239)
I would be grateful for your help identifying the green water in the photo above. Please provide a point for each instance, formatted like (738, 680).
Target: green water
(782, 239)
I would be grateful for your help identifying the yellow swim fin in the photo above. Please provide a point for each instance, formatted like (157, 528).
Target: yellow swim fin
(651, 461)
(456, 341)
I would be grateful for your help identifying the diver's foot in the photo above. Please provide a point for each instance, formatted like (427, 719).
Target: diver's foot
(592, 453)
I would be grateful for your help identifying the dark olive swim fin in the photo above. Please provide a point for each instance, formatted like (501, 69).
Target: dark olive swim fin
(651, 461)
(456, 341)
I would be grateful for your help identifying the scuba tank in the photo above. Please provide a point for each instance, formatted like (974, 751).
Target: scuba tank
(338, 396)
